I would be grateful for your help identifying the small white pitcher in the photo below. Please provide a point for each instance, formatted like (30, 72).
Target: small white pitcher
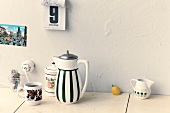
(142, 87)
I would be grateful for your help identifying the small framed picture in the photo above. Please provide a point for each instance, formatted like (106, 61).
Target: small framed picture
(13, 35)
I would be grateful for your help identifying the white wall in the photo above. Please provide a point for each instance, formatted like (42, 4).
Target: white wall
(122, 39)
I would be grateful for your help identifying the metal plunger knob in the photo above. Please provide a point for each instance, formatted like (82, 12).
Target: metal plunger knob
(67, 52)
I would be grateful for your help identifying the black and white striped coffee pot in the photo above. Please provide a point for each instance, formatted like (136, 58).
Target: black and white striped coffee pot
(68, 85)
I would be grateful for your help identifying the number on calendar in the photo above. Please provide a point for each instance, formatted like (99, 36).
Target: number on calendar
(53, 14)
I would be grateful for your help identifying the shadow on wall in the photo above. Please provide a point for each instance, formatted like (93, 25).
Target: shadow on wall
(68, 11)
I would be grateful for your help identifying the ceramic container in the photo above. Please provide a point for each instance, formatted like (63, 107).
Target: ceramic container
(32, 93)
(68, 84)
(141, 87)
(50, 78)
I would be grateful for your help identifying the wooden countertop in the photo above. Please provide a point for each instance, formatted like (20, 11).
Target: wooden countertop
(154, 104)
(9, 101)
(91, 102)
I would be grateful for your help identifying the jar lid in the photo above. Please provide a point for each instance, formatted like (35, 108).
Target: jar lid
(68, 56)
(51, 69)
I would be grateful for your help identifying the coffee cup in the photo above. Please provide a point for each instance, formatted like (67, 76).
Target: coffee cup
(32, 93)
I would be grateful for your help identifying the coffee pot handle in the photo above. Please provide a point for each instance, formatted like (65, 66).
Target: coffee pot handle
(131, 82)
(86, 63)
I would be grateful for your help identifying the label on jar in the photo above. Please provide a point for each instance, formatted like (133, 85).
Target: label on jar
(50, 83)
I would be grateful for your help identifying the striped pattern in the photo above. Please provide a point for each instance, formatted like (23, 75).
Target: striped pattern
(68, 86)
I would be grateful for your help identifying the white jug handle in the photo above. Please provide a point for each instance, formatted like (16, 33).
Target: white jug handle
(87, 73)
(19, 90)
(132, 83)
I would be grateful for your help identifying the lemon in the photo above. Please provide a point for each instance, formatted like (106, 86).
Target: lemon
(115, 90)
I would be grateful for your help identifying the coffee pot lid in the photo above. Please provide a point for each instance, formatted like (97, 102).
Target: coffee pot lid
(68, 56)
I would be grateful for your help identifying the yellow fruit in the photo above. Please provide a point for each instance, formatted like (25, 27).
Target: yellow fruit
(115, 90)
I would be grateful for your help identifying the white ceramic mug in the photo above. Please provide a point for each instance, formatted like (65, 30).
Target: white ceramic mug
(32, 93)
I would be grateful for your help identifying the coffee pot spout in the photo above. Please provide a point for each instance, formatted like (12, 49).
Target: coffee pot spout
(149, 83)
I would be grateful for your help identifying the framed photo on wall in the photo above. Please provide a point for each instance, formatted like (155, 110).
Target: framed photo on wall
(13, 35)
